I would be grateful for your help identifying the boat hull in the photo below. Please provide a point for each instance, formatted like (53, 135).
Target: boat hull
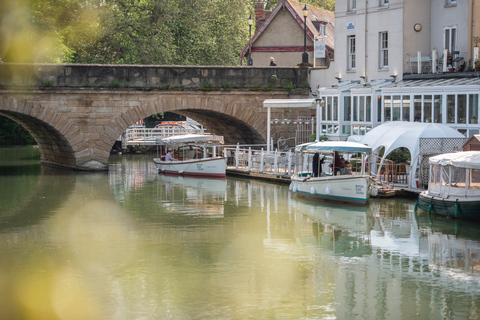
(467, 208)
(207, 167)
(346, 188)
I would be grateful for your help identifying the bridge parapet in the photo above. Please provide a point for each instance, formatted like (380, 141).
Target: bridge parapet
(14, 75)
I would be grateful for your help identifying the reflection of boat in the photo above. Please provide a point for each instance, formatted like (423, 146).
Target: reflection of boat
(332, 181)
(206, 167)
(454, 185)
(348, 218)
(211, 186)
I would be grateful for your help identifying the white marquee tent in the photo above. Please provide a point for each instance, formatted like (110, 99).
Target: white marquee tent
(398, 134)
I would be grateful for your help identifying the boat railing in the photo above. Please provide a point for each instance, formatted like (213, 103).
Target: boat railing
(148, 136)
(252, 159)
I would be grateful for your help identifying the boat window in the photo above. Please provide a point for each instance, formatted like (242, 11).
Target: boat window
(474, 179)
(458, 177)
(435, 177)
(445, 176)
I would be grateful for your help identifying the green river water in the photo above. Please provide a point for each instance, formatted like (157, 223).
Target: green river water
(132, 244)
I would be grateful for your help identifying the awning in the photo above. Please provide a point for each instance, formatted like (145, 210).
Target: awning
(331, 146)
(289, 103)
(467, 159)
(191, 139)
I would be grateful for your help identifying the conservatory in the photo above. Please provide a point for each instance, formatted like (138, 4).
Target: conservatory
(352, 108)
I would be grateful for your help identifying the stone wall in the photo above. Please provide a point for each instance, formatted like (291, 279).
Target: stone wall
(150, 77)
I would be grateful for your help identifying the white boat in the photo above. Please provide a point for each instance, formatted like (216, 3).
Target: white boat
(454, 186)
(326, 178)
(186, 145)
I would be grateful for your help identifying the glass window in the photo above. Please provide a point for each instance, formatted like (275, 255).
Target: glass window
(396, 108)
(450, 108)
(347, 109)
(352, 5)
(450, 39)
(335, 108)
(355, 130)
(383, 50)
(362, 130)
(346, 129)
(324, 111)
(324, 129)
(463, 131)
(437, 109)
(427, 109)
(462, 108)
(379, 108)
(362, 109)
(335, 128)
(387, 106)
(355, 108)
(368, 106)
(417, 108)
(406, 108)
(368, 128)
(351, 53)
(473, 132)
(329, 109)
(473, 108)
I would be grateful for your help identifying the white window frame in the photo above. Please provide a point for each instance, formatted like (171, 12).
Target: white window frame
(351, 45)
(383, 50)
(384, 3)
(452, 43)
(323, 29)
(352, 5)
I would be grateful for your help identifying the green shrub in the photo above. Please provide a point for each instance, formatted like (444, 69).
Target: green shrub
(114, 84)
(288, 86)
(48, 83)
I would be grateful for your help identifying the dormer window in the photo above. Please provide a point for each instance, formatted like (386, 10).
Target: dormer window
(323, 29)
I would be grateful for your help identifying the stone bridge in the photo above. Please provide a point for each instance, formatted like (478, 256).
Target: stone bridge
(76, 112)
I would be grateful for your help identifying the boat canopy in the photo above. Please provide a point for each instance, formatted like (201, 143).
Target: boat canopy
(191, 139)
(467, 159)
(331, 146)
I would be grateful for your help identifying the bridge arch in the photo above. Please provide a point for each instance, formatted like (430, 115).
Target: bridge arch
(76, 112)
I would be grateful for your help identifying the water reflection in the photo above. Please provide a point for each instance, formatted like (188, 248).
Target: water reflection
(135, 244)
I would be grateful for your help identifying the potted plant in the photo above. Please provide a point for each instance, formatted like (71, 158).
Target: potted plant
(477, 65)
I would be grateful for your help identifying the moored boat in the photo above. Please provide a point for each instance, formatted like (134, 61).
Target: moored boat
(333, 170)
(454, 186)
(187, 162)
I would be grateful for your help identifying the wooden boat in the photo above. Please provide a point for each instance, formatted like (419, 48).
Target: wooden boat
(454, 186)
(326, 178)
(207, 166)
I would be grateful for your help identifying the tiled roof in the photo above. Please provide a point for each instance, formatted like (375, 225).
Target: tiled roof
(314, 14)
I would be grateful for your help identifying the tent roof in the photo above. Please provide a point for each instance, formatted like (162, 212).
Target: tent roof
(191, 138)
(331, 146)
(468, 159)
(397, 134)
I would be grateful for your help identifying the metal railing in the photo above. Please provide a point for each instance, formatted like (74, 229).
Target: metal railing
(148, 136)
(260, 161)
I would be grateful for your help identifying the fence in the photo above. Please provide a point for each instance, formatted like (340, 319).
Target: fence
(261, 161)
(148, 136)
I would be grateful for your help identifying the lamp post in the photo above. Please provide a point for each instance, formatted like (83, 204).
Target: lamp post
(250, 60)
(305, 54)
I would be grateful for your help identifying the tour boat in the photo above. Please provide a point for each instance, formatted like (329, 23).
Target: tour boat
(212, 166)
(454, 186)
(326, 179)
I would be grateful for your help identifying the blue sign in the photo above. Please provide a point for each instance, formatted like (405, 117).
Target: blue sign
(351, 26)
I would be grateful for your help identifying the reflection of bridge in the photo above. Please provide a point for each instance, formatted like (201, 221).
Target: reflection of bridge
(76, 112)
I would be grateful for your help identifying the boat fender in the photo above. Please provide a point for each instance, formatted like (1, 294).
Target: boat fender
(327, 190)
(456, 208)
(312, 190)
(294, 189)
(429, 209)
(416, 207)
(290, 187)
(374, 192)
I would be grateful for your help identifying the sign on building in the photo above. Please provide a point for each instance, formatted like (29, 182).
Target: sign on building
(319, 48)
(351, 26)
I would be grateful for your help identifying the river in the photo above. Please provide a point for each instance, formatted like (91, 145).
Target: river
(133, 244)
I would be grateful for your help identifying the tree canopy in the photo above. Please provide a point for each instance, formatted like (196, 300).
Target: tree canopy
(165, 32)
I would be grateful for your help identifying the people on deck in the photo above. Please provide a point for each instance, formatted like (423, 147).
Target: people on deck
(169, 156)
(317, 164)
(198, 154)
(272, 62)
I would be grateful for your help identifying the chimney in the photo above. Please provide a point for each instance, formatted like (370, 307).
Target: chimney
(259, 14)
